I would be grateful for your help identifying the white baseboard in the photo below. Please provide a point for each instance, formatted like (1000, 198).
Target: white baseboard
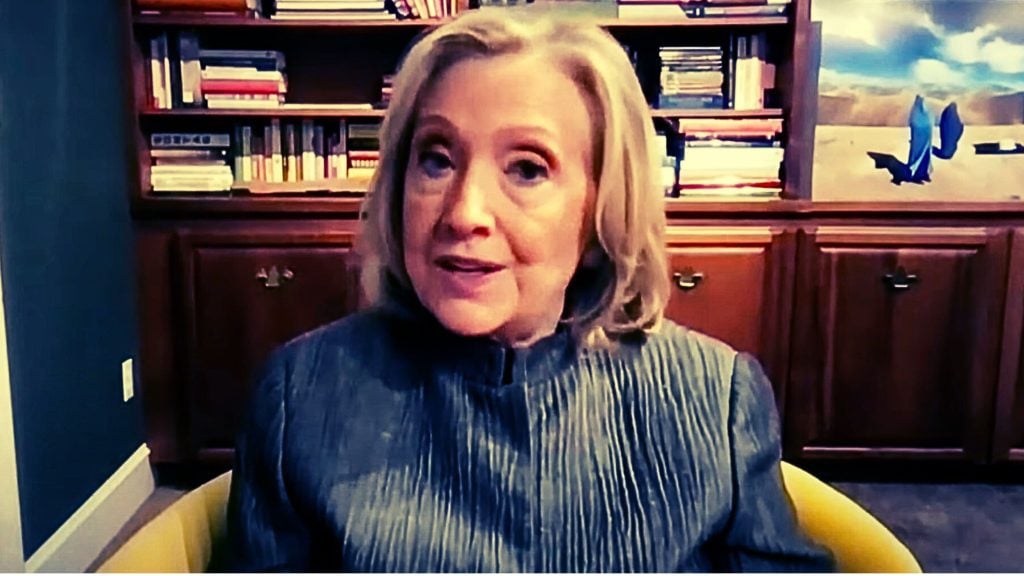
(79, 541)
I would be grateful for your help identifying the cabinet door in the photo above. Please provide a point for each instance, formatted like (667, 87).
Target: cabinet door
(1008, 443)
(735, 284)
(243, 295)
(896, 343)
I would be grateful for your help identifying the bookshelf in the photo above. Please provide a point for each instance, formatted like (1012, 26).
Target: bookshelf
(207, 322)
(321, 70)
(812, 306)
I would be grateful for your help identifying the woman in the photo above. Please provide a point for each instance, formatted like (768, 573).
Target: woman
(514, 401)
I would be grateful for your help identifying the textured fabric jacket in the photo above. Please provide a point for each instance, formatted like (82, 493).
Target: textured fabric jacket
(380, 443)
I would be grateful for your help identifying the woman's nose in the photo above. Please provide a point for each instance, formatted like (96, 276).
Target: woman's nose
(467, 209)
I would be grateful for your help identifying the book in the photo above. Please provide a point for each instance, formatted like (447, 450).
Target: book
(240, 104)
(337, 15)
(157, 48)
(289, 153)
(183, 153)
(189, 140)
(277, 159)
(308, 152)
(232, 6)
(320, 161)
(326, 107)
(266, 60)
(242, 73)
(190, 70)
(217, 86)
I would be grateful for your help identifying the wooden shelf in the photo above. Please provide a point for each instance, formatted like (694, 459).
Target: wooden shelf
(228, 21)
(705, 22)
(289, 112)
(233, 205)
(716, 113)
(176, 20)
(348, 206)
(314, 111)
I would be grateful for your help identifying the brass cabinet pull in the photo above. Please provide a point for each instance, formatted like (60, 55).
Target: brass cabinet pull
(899, 280)
(273, 278)
(688, 279)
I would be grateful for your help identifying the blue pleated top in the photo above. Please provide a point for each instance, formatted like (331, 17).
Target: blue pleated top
(384, 443)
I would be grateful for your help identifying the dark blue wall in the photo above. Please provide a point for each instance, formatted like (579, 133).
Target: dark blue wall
(66, 252)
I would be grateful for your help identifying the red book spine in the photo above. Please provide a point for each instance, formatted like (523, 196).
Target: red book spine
(241, 87)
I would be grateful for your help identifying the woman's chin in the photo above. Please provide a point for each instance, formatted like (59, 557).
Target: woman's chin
(469, 318)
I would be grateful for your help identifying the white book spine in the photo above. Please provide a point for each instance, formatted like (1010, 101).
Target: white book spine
(318, 147)
(275, 147)
(246, 154)
(156, 73)
(308, 153)
(165, 65)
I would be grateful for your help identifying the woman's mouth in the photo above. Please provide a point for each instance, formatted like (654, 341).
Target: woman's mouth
(464, 276)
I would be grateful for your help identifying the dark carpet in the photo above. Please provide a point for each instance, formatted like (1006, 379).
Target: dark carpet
(951, 527)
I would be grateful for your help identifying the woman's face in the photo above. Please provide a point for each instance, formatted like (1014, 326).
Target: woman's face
(495, 194)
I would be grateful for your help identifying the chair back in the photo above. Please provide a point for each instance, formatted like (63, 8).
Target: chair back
(859, 542)
(182, 538)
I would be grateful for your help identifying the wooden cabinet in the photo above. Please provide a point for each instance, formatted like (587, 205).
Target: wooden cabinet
(896, 342)
(882, 342)
(735, 284)
(1008, 441)
(242, 294)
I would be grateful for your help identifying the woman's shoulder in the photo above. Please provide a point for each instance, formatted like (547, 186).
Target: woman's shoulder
(356, 338)
(689, 351)
(356, 330)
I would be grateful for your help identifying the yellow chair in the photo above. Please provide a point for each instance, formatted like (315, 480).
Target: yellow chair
(182, 537)
(859, 542)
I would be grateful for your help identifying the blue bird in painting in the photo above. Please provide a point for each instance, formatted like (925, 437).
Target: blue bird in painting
(918, 168)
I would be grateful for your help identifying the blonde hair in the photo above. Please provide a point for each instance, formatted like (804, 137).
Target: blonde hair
(621, 285)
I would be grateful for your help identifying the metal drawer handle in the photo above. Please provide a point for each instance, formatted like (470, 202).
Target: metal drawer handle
(899, 280)
(688, 279)
(272, 278)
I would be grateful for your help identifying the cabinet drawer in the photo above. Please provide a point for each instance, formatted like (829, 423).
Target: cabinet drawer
(1008, 441)
(244, 295)
(734, 284)
(896, 342)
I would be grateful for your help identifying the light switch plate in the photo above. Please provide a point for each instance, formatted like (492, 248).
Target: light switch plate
(127, 379)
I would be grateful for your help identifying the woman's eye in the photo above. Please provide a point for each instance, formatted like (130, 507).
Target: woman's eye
(528, 171)
(434, 163)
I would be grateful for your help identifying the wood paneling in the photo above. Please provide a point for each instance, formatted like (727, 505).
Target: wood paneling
(1008, 438)
(896, 344)
(244, 294)
(735, 284)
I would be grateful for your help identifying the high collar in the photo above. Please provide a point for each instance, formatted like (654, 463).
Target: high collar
(482, 360)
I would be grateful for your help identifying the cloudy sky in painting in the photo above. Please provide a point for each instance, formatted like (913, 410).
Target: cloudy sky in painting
(944, 44)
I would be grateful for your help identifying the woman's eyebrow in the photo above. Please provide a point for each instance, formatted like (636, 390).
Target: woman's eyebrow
(432, 120)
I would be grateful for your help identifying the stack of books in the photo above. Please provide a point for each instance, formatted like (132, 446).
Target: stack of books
(691, 77)
(182, 75)
(183, 162)
(751, 83)
(243, 78)
(684, 9)
(731, 157)
(331, 10)
(363, 149)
